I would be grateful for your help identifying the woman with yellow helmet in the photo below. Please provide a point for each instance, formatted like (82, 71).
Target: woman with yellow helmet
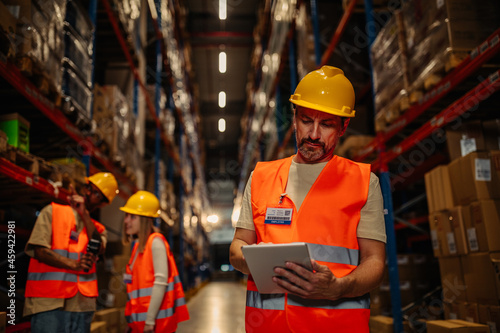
(156, 298)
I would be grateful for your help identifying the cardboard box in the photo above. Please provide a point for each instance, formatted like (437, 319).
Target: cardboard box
(437, 221)
(455, 326)
(429, 192)
(111, 317)
(472, 327)
(456, 218)
(465, 139)
(482, 224)
(495, 261)
(480, 279)
(450, 310)
(491, 133)
(490, 315)
(384, 324)
(471, 312)
(452, 279)
(17, 129)
(475, 177)
(98, 327)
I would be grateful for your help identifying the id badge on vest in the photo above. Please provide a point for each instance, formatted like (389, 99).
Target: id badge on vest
(275, 215)
(127, 278)
(74, 235)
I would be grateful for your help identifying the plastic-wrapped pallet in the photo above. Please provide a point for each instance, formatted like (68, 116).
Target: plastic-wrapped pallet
(440, 33)
(389, 62)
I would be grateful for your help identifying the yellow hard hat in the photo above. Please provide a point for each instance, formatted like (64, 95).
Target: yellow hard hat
(142, 203)
(106, 183)
(327, 90)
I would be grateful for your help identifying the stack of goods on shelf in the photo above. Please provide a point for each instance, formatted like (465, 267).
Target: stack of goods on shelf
(390, 73)
(464, 206)
(115, 126)
(417, 276)
(306, 57)
(7, 33)
(112, 289)
(39, 43)
(15, 147)
(128, 14)
(77, 66)
(440, 34)
(352, 146)
(419, 44)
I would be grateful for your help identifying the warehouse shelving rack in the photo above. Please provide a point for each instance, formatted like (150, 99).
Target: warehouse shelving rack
(90, 153)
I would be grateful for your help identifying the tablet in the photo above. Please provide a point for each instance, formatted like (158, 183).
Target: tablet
(262, 259)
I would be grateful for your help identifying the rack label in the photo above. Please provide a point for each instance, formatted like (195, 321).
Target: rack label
(451, 243)
(467, 145)
(471, 235)
(483, 169)
(434, 239)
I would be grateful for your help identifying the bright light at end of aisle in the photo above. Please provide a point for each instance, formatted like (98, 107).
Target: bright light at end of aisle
(212, 218)
(222, 99)
(222, 9)
(222, 62)
(222, 125)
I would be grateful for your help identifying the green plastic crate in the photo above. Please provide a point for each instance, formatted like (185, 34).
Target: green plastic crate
(17, 129)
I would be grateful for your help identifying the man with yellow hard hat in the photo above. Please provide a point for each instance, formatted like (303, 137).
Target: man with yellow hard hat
(61, 288)
(331, 203)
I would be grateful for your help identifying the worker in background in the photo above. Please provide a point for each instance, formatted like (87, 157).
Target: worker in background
(333, 204)
(61, 288)
(156, 298)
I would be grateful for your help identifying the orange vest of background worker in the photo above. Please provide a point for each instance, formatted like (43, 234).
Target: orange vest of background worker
(145, 271)
(49, 281)
(327, 221)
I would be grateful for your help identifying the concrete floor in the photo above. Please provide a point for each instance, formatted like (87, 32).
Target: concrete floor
(219, 307)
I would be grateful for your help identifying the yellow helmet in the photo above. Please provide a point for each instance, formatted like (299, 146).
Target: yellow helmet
(106, 183)
(327, 90)
(142, 203)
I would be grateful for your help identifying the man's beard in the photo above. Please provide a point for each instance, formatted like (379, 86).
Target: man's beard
(312, 154)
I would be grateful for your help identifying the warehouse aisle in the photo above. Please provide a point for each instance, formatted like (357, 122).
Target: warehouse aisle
(219, 307)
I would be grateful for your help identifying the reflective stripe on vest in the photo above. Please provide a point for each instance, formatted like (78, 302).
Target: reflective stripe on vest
(67, 254)
(277, 302)
(265, 301)
(53, 276)
(162, 314)
(334, 254)
(362, 302)
(148, 291)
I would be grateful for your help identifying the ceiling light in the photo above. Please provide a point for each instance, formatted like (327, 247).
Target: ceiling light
(222, 9)
(222, 125)
(222, 99)
(222, 62)
(212, 218)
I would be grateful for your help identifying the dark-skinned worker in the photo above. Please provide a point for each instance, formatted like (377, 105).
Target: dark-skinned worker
(332, 203)
(156, 300)
(61, 288)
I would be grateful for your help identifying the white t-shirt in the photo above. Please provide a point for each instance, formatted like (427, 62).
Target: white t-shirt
(301, 177)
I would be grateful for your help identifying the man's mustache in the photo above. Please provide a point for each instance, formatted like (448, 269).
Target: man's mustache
(314, 142)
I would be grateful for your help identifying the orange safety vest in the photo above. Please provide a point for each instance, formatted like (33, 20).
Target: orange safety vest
(173, 308)
(327, 221)
(52, 282)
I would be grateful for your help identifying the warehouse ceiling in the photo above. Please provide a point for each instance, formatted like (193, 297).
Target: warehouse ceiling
(208, 36)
